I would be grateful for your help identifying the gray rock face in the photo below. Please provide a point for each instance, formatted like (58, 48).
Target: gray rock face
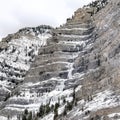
(79, 64)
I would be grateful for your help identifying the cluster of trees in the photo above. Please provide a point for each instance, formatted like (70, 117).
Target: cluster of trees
(46, 109)
(27, 115)
(56, 110)
(43, 110)
(70, 105)
(98, 4)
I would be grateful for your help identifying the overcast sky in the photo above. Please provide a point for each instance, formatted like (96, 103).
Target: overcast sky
(16, 14)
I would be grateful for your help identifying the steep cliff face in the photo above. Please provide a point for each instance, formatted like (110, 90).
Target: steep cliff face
(75, 65)
(99, 92)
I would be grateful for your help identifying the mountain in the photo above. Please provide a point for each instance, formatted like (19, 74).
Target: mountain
(17, 52)
(65, 73)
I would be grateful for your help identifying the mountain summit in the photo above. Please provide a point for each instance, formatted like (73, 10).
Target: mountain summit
(65, 73)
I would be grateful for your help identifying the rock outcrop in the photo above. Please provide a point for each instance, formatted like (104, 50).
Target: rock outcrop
(77, 67)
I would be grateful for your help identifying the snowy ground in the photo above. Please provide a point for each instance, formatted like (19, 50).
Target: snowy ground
(104, 99)
(16, 60)
(52, 96)
(19, 56)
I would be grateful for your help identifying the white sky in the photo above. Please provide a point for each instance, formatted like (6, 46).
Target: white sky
(16, 14)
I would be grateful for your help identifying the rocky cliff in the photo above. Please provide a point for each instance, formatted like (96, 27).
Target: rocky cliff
(67, 73)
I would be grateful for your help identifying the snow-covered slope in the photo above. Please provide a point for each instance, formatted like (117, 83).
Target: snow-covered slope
(18, 51)
(71, 71)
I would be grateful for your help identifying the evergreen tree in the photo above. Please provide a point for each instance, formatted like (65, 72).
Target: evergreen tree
(56, 110)
(26, 112)
(30, 116)
(41, 111)
(47, 109)
(55, 114)
(52, 107)
(57, 105)
(24, 117)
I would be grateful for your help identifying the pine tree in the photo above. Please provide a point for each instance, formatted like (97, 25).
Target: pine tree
(57, 105)
(47, 109)
(41, 111)
(30, 116)
(55, 114)
(24, 117)
(52, 107)
(56, 110)
(26, 112)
